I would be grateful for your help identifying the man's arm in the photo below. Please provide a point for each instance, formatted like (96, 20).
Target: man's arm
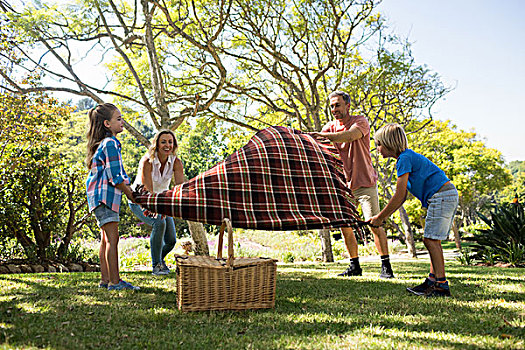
(342, 136)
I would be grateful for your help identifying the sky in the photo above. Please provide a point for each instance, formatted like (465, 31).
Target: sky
(477, 47)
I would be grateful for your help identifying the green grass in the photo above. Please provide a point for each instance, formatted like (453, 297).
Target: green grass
(314, 310)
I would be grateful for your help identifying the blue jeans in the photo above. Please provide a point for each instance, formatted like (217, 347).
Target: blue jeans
(162, 238)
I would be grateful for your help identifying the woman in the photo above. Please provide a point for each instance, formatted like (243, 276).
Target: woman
(156, 169)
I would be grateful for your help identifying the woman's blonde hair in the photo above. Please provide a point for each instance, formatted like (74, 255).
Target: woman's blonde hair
(152, 150)
(392, 136)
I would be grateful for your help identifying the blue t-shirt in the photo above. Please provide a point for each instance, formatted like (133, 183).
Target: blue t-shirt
(424, 178)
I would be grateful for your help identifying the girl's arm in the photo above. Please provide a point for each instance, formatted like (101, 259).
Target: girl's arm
(178, 172)
(145, 175)
(127, 190)
(395, 202)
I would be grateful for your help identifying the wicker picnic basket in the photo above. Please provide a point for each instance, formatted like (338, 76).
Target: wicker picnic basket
(209, 283)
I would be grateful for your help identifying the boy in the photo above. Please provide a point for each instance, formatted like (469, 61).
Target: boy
(431, 186)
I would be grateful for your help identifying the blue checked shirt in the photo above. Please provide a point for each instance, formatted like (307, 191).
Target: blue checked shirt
(106, 172)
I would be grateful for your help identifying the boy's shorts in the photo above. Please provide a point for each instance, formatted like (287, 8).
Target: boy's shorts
(105, 215)
(442, 207)
(369, 200)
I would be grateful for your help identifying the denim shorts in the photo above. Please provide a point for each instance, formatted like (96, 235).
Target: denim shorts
(442, 207)
(105, 215)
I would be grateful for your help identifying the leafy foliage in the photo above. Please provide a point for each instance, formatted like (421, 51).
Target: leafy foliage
(504, 240)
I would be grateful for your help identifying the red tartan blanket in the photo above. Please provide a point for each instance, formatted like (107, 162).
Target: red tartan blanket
(282, 179)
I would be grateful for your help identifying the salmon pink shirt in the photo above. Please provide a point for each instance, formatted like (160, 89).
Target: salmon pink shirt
(357, 161)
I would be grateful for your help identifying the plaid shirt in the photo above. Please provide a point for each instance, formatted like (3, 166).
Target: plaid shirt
(283, 179)
(106, 172)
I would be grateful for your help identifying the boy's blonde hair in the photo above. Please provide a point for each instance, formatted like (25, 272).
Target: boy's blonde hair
(392, 136)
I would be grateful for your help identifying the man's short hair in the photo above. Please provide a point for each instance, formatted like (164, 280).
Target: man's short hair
(344, 95)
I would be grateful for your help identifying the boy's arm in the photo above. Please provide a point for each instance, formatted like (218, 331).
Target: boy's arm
(354, 133)
(395, 202)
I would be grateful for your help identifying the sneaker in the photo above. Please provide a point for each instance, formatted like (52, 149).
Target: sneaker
(103, 285)
(436, 290)
(352, 270)
(386, 272)
(122, 285)
(164, 267)
(158, 271)
(421, 289)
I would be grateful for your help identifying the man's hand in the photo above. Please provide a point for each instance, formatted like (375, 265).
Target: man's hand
(317, 135)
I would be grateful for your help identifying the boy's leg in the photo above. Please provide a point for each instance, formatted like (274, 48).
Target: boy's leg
(437, 261)
(111, 232)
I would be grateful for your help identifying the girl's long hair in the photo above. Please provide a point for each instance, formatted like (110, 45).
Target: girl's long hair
(97, 130)
(152, 150)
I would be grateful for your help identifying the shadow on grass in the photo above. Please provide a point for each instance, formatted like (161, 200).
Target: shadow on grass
(313, 310)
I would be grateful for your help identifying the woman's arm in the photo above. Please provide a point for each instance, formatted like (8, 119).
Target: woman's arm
(178, 172)
(395, 202)
(145, 175)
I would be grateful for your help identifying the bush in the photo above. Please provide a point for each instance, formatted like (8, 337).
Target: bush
(504, 239)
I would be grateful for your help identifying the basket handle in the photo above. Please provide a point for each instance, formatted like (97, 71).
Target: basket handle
(226, 223)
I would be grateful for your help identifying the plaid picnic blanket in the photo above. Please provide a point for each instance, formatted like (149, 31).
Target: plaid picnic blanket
(282, 179)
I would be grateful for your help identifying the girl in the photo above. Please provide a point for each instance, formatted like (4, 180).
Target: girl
(431, 186)
(104, 186)
(156, 169)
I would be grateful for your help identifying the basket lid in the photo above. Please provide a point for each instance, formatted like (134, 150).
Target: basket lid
(219, 263)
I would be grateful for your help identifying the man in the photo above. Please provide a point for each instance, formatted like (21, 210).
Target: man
(350, 134)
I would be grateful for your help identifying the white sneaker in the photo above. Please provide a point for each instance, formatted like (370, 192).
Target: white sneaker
(158, 271)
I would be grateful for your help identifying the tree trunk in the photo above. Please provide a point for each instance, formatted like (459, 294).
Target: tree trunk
(457, 239)
(198, 234)
(411, 244)
(326, 245)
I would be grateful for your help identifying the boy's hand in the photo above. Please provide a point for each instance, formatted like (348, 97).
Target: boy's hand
(376, 222)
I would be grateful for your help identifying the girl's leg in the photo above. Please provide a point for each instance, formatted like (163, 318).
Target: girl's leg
(111, 232)
(169, 237)
(104, 271)
(156, 240)
(437, 261)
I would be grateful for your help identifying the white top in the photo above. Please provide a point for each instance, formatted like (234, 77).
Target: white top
(161, 182)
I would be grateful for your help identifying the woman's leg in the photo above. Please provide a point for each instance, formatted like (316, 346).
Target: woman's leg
(156, 240)
(170, 237)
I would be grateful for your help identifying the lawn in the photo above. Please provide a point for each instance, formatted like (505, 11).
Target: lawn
(314, 310)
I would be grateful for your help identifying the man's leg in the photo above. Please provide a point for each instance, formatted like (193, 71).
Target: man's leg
(369, 200)
(351, 246)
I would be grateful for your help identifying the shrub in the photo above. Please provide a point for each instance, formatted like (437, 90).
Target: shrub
(504, 239)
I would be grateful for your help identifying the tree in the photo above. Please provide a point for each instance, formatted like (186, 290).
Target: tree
(249, 63)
